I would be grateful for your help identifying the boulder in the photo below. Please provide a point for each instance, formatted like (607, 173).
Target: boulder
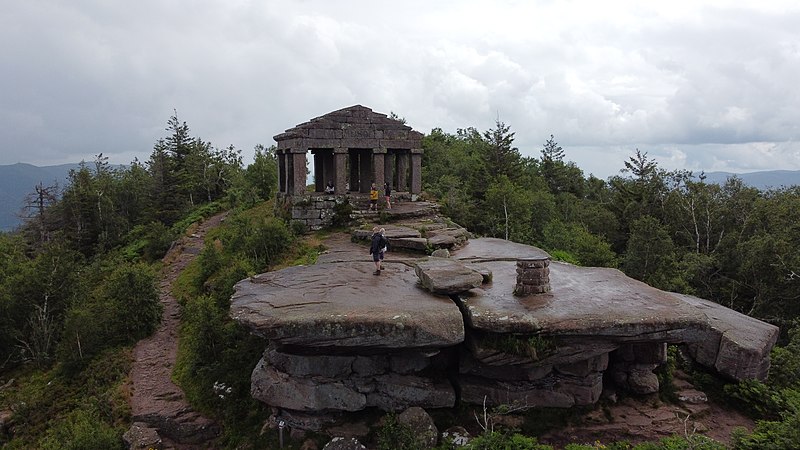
(278, 389)
(391, 232)
(441, 253)
(421, 424)
(447, 276)
(413, 244)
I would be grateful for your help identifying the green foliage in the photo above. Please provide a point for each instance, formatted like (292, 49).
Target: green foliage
(341, 214)
(82, 429)
(393, 435)
(508, 210)
(505, 441)
(574, 239)
(49, 405)
(665, 374)
(650, 256)
(120, 311)
(216, 355)
(262, 175)
(565, 256)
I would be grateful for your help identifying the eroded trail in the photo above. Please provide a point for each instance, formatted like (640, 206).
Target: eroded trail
(155, 399)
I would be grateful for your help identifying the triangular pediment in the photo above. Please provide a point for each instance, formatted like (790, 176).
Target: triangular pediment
(352, 119)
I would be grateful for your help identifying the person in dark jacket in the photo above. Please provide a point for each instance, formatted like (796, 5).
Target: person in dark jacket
(377, 247)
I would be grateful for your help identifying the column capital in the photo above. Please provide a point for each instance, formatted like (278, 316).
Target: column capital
(379, 150)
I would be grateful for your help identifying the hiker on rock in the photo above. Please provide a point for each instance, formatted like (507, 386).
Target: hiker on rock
(377, 248)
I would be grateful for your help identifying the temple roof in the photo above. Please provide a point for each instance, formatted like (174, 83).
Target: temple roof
(352, 122)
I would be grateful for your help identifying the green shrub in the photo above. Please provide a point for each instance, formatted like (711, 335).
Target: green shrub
(82, 429)
(122, 310)
(341, 214)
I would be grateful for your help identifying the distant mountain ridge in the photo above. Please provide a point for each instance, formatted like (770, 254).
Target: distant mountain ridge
(768, 179)
(19, 180)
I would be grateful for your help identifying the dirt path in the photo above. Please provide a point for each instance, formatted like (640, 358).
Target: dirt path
(155, 399)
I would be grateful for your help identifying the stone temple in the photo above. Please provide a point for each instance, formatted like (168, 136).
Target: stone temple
(485, 320)
(351, 149)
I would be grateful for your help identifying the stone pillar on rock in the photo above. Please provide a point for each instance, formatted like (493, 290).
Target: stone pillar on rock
(378, 156)
(340, 169)
(533, 277)
(299, 171)
(281, 171)
(416, 171)
(402, 171)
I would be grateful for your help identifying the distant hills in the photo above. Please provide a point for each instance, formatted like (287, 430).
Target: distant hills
(769, 179)
(19, 180)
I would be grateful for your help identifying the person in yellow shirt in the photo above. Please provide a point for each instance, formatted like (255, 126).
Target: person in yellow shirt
(373, 197)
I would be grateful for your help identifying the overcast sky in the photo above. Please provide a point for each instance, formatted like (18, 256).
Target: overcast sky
(697, 85)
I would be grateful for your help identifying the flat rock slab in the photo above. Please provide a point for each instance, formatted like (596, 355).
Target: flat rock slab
(490, 249)
(391, 232)
(447, 276)
(344, 305)
(603, 304)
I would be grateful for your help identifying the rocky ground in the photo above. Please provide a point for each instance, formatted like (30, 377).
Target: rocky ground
(646, 418)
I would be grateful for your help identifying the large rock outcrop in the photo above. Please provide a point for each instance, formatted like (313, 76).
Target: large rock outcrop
(342, 339)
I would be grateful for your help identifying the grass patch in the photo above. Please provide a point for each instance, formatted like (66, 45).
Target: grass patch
(535, 347)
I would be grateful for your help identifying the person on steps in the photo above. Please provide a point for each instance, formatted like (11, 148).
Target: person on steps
(387, 192)
(373, 197)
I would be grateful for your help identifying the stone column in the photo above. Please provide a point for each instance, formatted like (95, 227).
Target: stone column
(378, 158)
(416, 171)
(365, 173)
(533, 277)
(340, 169)
(328, 171)
(355, 171)
(402, 171)
(299, 171)
(388, 165)
(281, 171)
(319, 171)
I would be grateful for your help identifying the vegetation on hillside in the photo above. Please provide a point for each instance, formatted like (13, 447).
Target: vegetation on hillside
(77, 281)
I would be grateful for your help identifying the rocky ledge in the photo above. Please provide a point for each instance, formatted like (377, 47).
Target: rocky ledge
(342, 339)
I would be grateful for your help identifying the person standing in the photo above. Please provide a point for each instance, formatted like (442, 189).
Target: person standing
(373, 197)
(387, 192)
(376, 248)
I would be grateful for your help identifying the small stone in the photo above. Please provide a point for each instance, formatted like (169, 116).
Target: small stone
(140, 435)
(340, 443)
